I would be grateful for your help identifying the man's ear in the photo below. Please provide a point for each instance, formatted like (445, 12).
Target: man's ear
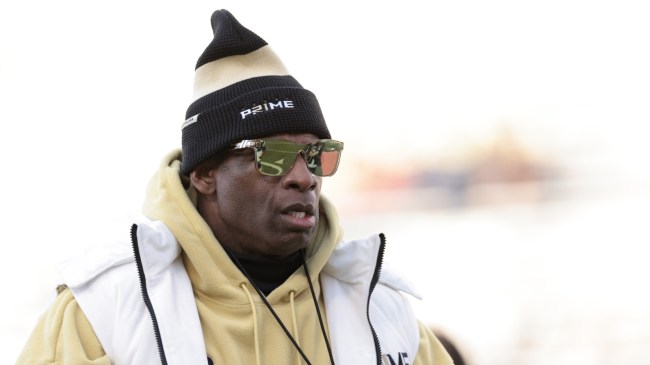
(203, 178)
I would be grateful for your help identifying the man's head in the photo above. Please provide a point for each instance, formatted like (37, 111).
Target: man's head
(248, 144)
(243, 91)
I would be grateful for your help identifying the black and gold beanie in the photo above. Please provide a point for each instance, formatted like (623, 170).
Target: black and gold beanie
(243, 91)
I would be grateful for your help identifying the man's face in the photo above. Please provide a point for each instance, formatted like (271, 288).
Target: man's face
(263, 215)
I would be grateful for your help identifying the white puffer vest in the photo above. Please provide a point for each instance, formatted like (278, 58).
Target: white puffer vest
(158, 322)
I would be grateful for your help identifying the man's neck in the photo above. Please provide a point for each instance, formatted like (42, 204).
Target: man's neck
(268, 272)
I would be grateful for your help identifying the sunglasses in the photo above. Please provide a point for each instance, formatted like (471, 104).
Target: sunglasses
(275, 157)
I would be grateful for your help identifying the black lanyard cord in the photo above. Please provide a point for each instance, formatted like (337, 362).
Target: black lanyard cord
(320, 318)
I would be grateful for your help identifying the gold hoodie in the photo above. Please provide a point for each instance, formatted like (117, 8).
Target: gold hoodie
(237, 327)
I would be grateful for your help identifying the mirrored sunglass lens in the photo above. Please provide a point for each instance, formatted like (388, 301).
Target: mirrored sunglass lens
(329, 162)
(277, 157)
(330, 156)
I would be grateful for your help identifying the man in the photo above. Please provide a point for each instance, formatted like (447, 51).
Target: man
(240, 260)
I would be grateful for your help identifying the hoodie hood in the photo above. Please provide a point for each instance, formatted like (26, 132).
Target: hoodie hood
(171, 199)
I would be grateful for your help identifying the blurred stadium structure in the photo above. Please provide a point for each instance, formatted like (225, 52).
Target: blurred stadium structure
(524, 255)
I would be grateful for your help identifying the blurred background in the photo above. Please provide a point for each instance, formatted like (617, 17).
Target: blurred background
(500, 146)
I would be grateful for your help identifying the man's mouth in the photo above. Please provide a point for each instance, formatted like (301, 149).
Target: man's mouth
(297, 214)
(300, 216)
(299, 210)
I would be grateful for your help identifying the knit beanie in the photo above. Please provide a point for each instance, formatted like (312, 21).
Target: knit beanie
(243, 91)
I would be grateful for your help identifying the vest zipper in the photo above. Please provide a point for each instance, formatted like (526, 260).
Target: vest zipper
(373, 284)
(145, 294)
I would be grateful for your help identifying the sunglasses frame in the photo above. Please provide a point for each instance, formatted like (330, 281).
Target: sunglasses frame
(259, 146)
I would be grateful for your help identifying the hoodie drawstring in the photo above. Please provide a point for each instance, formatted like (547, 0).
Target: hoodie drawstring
(255, 331)
(292, 296)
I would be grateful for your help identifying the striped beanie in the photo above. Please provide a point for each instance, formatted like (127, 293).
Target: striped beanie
(243, 91)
